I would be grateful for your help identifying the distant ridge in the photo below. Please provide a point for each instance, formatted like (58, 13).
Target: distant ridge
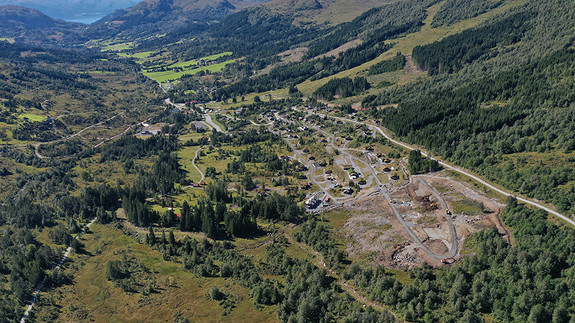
(31, 26)
(164, 15)
(74, 10)
(18, 17)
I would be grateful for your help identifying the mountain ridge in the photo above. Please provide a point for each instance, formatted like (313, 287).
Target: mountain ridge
(159, 16)
(31, 26)
(85, 11)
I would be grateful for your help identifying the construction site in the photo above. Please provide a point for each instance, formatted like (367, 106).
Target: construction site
(427, 219)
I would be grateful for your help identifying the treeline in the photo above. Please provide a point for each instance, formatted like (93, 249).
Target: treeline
(213, 216)
(24, 261)
(374, 26)
(418, 164)
(39, 205)
(453, 11)
(454, 52)
(294, 73)
(317, 235)
(13, 51)
(529, 281)
(390, 65)
(342, 87)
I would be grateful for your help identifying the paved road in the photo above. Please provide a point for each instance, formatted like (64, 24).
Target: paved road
(62, 261)
(212, 123)
(196, 167)
(464, 172)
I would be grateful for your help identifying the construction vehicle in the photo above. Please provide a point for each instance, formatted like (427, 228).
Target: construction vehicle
(448, 261)
(447, 212)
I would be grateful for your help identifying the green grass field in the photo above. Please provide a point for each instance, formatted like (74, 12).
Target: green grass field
(32, 117)
(170, 75)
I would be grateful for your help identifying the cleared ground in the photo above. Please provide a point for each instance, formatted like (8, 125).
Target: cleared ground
(372, 231)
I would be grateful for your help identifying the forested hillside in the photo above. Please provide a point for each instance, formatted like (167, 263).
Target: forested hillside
(239, 162)
(500, 104)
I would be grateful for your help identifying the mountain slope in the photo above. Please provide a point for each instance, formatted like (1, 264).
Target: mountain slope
(77, 10)
(161, 16)
(318, 12)
(20, 17)
(32, 26)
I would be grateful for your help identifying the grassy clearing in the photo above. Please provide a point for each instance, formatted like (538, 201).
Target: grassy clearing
(170, 75)
(400, 275)
(118, 47)
(467, 207)
(186, 155)
(140, 55)
(277, 94)
(196, 61)
(93, 298)
(102, 72)
(32, 117)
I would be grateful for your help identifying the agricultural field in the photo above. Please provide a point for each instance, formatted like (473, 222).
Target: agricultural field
(208, 64)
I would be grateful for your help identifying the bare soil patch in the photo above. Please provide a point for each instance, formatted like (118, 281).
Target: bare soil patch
(374, 233)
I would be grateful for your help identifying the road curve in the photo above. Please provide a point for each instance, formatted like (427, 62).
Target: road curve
(62, 261)
(212, 123)
(464, 172)
(196, 167)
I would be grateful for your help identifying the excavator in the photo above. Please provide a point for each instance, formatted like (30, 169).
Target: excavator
(448, 261)
(447, 212)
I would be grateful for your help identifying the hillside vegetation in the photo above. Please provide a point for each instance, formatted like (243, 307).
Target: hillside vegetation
(238, 159)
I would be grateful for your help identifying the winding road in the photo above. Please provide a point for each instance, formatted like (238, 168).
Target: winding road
(463, 172)
(196, 167)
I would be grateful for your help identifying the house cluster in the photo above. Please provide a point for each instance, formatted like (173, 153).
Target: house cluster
(150, 130)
